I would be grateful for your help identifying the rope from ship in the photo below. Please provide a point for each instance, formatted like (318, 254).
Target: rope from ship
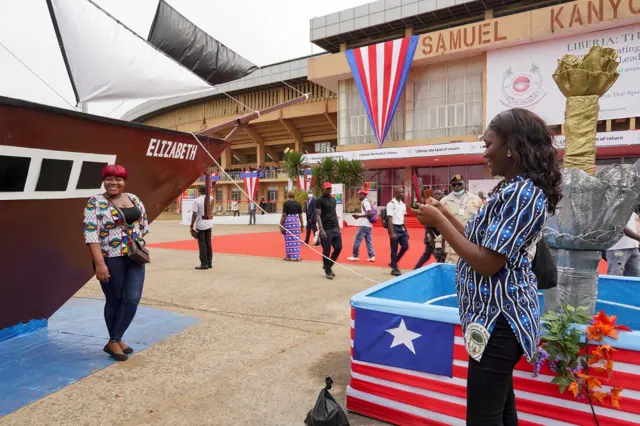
(286, 230)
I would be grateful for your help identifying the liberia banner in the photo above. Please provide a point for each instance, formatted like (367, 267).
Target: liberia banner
(304, 180)
(380, 72)
(251, 180)
(408, 370)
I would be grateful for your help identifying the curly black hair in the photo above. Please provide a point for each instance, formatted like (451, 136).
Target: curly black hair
(531, 143)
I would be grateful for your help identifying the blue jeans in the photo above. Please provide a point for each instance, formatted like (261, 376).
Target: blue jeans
(402, 240)
(624, 262)
(122, 293)
(363, 232)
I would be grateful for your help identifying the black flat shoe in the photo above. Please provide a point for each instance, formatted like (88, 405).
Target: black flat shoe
(201, 267)
(117, 357)
(128, 351)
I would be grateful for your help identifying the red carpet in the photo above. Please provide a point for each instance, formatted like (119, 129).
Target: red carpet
(271, 244)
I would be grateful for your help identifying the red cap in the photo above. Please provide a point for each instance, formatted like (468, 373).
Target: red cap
(363, 192)
(326, 185)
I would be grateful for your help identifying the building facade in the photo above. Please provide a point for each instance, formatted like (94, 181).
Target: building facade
(474, 59)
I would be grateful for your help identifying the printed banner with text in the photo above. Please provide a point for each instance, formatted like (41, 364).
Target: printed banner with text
(521, 77)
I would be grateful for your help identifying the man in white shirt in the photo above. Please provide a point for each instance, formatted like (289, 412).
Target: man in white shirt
(398, 235)
(623, 258)
(235, 208)
(252, 212)
(364, 229)
(201, 229)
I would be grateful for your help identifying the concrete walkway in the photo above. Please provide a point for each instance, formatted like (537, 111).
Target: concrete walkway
(270, 332)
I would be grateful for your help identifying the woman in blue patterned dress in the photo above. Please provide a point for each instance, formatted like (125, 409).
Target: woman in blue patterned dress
(292, 227)
(497, 290)
(111, 220)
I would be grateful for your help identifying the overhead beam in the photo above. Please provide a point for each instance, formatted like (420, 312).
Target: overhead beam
(295, 134)
(329, 118)
(253, 134)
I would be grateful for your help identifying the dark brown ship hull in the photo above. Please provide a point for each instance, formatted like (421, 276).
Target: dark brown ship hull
(49, 166)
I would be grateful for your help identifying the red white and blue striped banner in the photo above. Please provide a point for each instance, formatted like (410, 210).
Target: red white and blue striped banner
(251, 180)
(304, 180)
(389, 387)
(380, 72)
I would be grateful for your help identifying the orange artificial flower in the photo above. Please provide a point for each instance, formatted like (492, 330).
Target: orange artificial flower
(604, 325)
(602, 351)
(615, 396)
(592, 382)
(575, 388)
(599, 396)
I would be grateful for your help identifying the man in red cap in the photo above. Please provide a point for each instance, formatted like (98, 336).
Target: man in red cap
(329, 229)
(364, 229)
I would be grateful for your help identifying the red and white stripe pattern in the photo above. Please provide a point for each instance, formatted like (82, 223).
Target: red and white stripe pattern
(304, 181)
(251, 180)
(407, 397)
(380, 72)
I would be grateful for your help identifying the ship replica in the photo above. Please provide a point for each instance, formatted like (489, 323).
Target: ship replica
(51, 158)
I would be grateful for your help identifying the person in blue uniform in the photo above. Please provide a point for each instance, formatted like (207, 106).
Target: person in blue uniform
(497, 290)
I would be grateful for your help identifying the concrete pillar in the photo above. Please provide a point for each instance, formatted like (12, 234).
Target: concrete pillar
(343, 118)
(260, 154)
(409, 108)
(226, 158)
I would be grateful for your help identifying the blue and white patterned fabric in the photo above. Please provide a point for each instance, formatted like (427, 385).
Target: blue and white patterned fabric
(292, 237)
(509, 224)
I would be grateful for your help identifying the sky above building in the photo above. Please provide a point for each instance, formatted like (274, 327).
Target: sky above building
(263, 31)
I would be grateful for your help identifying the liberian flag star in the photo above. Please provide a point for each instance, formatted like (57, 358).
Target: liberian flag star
(403, 336)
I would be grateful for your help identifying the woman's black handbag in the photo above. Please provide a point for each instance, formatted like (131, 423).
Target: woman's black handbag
(544, 267)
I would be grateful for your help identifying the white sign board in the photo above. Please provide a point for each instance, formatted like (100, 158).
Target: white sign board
(187, 211)
(521, 77)
(337, 190)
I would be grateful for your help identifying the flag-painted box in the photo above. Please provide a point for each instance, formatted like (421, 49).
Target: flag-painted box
(409, 362)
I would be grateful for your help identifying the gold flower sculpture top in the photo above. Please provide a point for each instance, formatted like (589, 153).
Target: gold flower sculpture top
(592, 74)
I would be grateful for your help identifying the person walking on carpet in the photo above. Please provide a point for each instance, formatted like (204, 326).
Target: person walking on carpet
(398, 235)
(364, 228)
(292, 227)
(329, 229)
(312, 224)
(432, 245)
(201, 230)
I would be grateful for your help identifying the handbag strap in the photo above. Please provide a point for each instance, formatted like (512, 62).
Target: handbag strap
(124, 219)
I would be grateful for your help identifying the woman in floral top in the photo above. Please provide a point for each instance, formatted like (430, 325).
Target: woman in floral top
(497, 289)
(107, 233)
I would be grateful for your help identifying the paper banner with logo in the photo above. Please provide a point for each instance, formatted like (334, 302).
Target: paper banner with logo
(522, 76)
(380, 72)
(251, 180)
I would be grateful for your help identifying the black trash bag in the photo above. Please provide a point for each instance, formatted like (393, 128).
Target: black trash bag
(326, 412)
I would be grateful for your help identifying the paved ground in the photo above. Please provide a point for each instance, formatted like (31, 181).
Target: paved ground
(270, 332)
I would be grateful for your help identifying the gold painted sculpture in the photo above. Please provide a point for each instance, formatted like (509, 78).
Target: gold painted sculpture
(583, 81)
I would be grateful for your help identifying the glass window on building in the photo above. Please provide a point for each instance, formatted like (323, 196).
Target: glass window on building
(439, 177)
(448, 100)
(354, 127)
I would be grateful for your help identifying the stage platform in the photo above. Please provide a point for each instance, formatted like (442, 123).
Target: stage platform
(70, 348)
